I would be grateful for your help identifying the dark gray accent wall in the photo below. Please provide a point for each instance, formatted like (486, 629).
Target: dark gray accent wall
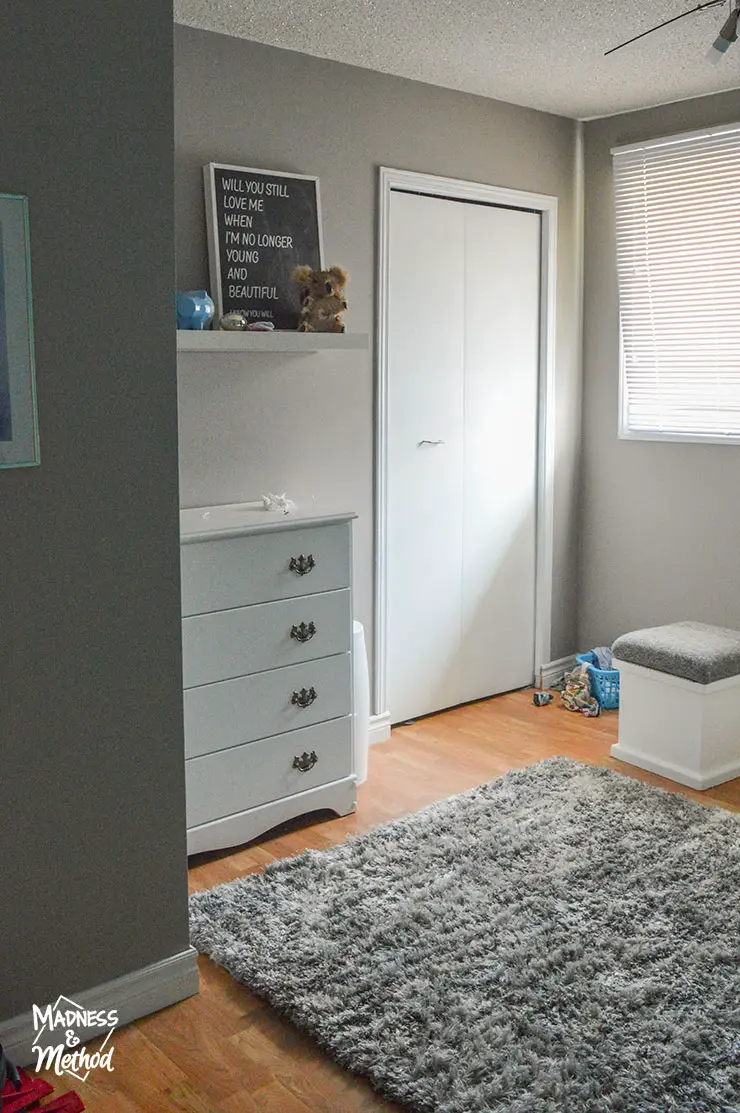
(660, 521)
(305, 424)
(92, 825)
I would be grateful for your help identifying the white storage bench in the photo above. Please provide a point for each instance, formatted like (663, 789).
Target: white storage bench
(679, 704)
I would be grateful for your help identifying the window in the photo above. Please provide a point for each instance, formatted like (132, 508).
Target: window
(678, 265)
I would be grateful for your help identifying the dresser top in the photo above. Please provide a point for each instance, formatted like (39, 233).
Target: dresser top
(205, 523)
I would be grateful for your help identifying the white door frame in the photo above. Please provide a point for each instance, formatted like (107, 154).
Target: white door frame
(451, 188)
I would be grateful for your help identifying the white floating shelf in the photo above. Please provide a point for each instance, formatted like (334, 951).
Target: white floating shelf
(218, 340)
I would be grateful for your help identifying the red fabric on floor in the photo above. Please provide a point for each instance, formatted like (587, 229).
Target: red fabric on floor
(65, 1103)
(32, 1090)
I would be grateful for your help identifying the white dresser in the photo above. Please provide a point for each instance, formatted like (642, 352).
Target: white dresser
(267, 669)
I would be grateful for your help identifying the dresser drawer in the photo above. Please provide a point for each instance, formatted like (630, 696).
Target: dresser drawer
(221, 715)
(256, 568)
(243, 777)
(225, 644)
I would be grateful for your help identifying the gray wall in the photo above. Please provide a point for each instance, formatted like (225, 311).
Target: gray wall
(660, 522)
(305, 424)
(92, 853)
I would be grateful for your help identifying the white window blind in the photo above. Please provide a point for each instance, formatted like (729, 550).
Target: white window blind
(678, 263)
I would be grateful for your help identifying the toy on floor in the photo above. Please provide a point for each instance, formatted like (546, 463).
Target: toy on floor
(322, 298)
(603, 676)
(576, 695)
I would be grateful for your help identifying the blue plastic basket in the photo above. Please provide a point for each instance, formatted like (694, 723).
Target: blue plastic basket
(604, 682)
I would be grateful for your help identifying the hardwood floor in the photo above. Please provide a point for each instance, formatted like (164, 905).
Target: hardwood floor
(226, 1052)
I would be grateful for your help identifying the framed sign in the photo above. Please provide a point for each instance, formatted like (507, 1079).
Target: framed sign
(19, 440)
(261, 225)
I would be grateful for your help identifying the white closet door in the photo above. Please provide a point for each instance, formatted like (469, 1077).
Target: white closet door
(425, 402)
(502, 328)
(463, 356)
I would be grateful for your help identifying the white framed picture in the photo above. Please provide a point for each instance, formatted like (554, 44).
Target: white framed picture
(19, 439)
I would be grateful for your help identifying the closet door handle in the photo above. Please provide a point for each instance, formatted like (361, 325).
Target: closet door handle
(302, 565)
(305, 697)
(305, 761)
(303, 632)
(429, 442)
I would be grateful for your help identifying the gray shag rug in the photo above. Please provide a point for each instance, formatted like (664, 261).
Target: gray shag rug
(561, 940)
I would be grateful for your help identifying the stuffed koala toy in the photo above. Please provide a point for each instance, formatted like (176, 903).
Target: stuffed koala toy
(322, 298)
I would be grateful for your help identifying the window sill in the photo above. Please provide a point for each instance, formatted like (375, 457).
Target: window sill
(675, 438)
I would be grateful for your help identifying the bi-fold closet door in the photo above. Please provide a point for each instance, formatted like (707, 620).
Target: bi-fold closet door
(463, 363)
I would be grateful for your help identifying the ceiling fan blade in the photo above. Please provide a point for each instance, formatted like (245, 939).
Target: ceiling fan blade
(665, 23)
(728, 33)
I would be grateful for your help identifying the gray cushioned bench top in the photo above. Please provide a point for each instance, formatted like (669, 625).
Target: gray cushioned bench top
(689, 649)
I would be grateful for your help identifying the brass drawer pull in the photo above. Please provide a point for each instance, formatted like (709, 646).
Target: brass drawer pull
(305, 761)
(302, 565)
(305, 697)
(303, 632)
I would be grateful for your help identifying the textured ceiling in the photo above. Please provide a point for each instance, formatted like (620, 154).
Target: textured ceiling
(548, 56)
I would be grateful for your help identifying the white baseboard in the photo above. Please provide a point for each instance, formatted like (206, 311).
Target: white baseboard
(676, 772)
(134, 995)
(380, 728)
(554, 670)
